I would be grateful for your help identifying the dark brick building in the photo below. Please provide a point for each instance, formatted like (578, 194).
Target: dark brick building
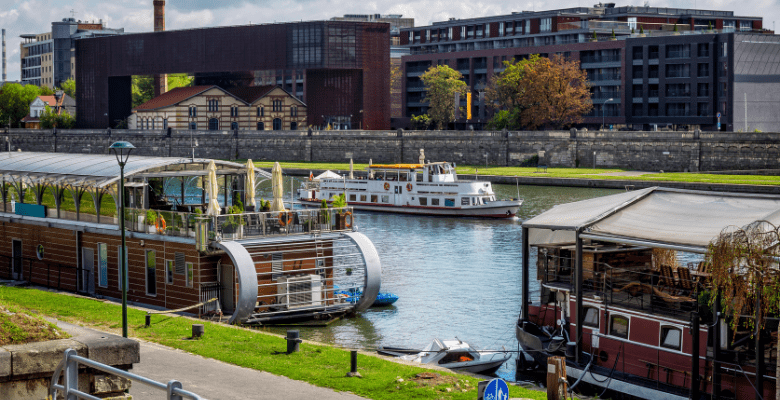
(340, 69)
(626, 87)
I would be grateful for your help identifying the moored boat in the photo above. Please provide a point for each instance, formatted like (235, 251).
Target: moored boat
(424, 189)
(453, 354)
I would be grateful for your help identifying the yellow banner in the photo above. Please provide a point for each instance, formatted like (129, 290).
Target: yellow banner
(468, 106)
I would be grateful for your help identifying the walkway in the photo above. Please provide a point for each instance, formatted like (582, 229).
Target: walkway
(212, 379)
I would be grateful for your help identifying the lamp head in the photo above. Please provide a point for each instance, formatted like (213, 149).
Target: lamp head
(121, 150)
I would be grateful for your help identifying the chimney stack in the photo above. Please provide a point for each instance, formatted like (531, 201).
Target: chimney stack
(160, 81)
(5, 70)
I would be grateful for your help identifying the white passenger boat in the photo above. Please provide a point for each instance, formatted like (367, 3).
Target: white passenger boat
(426, 189)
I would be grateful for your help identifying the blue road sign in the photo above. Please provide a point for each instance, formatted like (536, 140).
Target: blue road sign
(496, 390)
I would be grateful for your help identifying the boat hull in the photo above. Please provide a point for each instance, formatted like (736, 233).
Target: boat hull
(506, 209)
(478, 367)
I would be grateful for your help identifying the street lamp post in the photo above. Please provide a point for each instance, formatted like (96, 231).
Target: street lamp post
(122, 151)
(604, 111)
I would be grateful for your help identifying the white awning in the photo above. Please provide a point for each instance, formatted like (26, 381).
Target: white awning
(654, 216)
(328, 175)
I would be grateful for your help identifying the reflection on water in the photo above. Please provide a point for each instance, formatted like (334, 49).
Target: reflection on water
(455, 277)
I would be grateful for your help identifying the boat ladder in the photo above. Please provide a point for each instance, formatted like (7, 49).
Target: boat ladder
(320, 259)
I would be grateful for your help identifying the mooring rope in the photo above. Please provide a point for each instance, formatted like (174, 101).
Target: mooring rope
(186, 308)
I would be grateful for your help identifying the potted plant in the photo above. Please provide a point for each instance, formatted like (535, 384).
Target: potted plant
(151, 220)
(234, 223)
(340, 202)
(613, 37)
(191, 222)
(676, 32)
(641, 31)
(594, 38)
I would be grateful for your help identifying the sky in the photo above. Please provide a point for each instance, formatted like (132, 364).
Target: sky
(35, 16)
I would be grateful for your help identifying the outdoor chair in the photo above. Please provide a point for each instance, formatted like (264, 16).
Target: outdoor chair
(667, 279)
(685, 282)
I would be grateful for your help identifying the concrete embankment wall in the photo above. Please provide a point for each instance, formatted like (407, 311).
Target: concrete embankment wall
(650, 151)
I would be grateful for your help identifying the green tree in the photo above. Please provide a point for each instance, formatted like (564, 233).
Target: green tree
(505, 91)
(420, 122)
(15, 102)
(69, 87)
(143, 86)
(441, 84)
(49, 119)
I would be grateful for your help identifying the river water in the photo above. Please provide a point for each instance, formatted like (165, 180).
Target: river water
(454, 277)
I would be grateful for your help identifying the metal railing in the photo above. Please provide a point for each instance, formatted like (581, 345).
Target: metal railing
(69, 371)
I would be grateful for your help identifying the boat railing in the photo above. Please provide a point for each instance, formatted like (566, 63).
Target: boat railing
(239, 226)
(641, 287)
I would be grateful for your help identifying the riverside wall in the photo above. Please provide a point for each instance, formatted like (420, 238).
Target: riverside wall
(649, 151)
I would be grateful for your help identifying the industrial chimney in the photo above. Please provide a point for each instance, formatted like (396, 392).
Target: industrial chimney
(160, 81)
(5, 70)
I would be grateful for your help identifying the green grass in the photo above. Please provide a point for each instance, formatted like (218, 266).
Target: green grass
(577, 173)
(317, 364)
(19, 327)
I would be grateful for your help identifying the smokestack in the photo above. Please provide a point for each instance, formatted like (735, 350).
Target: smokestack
(5, 70)
(160, 81)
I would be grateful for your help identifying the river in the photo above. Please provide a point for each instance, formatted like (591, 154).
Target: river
(454, 277)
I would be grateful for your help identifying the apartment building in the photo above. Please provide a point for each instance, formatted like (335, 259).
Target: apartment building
(595, 36)
(48, 59)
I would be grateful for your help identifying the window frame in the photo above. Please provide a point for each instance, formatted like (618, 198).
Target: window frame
(153, 270)
(585, 317)
(170, 267)
(663, 330)
(612, 325)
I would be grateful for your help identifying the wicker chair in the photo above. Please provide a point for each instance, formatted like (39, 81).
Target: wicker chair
(685, 283)
(667, 279)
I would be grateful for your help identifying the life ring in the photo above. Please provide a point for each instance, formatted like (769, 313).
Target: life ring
(387, 186)
(284, 218)
(160, 224)
(408, 187)
(348, 224)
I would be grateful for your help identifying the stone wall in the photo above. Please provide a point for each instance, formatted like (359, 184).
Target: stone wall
(652, 151)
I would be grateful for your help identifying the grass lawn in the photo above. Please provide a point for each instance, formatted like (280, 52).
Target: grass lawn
(580, 173)
(317, 364)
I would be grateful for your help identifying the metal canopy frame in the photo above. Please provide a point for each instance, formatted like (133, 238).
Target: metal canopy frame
(96, 174)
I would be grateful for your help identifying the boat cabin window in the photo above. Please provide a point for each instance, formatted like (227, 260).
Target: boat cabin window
(362, 197)
(449, 202)
(434, 202)
(423, 201)
(671, 337)
(353, 197)
(619, 326)
(485, 200)
(385, 199)
(591, 317)
(374, 198)
(465, 201)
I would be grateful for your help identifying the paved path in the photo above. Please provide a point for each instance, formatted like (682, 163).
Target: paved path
(212, 379)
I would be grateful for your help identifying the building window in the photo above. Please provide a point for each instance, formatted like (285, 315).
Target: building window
(193, 111)
(704, 50)
(677, 109)
(671, 338)
(703, 70)
(277, 105)
(189, 274)
(632, 23)
(213, 105)
(500, 29)
(293, 126)
(165, 123)
(277, 124)
(260, 112)
(294, 111)
(591, 317)
(169, 272)
(234, 111)
(102, 256)
(619, 326)
(260, 126)
(152, 122)
(678, 90)
(193, 126)
(449, 33)
(678, 71)
(703, 110)
(745, 25)
(545, 24)
(678, 51)
(234, 126)
(213, 124)
(728, 26)
(703, 89)
(151, 273)
(463, 32)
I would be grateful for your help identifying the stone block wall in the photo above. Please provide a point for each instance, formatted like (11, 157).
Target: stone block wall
(651, 151)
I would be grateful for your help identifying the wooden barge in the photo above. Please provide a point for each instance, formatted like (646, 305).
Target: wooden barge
(628, 322)
(262, 266)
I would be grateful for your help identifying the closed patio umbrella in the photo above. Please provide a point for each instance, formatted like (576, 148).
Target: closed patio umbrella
(250, 184)
(213, 190)
(278, 188)
(351, 170)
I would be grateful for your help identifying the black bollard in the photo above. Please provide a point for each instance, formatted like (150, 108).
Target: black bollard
(353, 362)
(293, 341)
(148, 320)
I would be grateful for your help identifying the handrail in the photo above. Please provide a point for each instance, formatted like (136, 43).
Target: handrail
(70, 367)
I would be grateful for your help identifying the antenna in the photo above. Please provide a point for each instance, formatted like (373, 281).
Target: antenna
(72, 13)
